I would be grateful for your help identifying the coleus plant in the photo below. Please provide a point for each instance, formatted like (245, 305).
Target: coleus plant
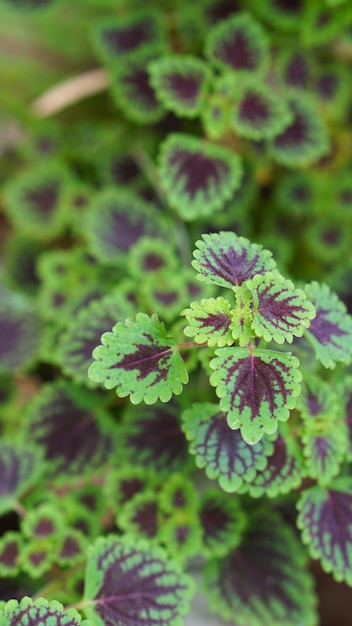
(221, 446)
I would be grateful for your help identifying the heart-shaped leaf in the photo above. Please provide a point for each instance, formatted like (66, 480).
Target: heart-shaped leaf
(304, 140)
(128, 582)
(220, 450)
(325, 516)
(181, 83)
(132, 92)
(256, 389)
(140, 360)
(228, 260)
(209, 321)
(260, 113)
(265, 581)
(280, 311)
(330, 332)
(238, 43)
(325, 450)
(197, 177)
(114, 38)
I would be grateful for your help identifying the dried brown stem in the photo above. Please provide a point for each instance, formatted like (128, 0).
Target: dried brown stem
(70, 91)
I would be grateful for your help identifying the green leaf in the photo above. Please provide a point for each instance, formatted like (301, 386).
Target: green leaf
(280, 311)
(330, 333)
(40, 613)
(325, 516)
(140, 360)
(181, 83)
(265, 581)
(129, 582)
(228, 260)
(256, 389)
(209, 321)
(197, 176)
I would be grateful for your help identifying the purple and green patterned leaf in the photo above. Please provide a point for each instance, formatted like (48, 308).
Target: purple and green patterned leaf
(40, 613)
(33, 200)
(305, 139)
(181, 82)
(20, 328)
(222, 521)
(220, 450)
(260, 113)
(127, 481)
(330, 333)
(256, 389)
(181, 535)
(116, 37)
(131, 89)
(117, 219)
(149, 256)
(21, 466)
(38, 556)
(140, 360)
(82, 335)
(319, 404)
(164, 293)
(140, 516)
(209, 322)
(296, 72)
(325, 447)
(228, 260)
(10, 548)
(280, 311)
(45, 521)
(128, 582)
(197, 176)
(325, 518)
(347, 390)
(62, 408)
(238, 43)
(178, 494)
(265, 581)
(152, 436)
(284, 472)
(73, 548)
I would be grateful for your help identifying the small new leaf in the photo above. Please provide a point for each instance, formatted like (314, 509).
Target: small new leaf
(140, 360)
(280, 311)
(260, 113)
(228, 260)
(330, 333)
(209, 321)
(256, 389)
